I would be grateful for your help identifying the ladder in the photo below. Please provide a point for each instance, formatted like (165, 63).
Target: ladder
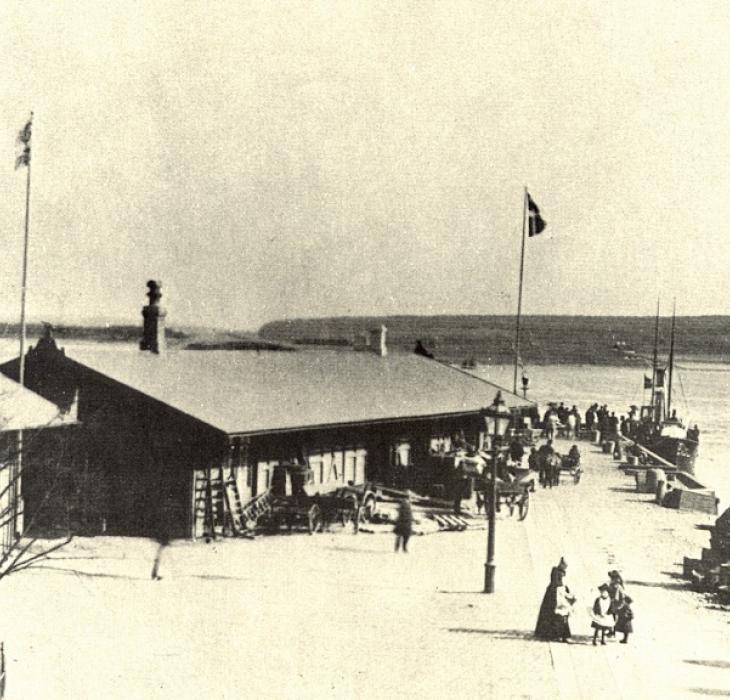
(235, 507)
(209, 503)
(218, 509)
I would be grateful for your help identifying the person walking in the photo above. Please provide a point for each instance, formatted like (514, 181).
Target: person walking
(624, 618)
(570, 421)
(602, 614)
(404, 523)
(545, 455)
(556, 607)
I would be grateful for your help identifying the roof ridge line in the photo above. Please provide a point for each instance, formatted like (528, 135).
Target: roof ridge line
(484, 381)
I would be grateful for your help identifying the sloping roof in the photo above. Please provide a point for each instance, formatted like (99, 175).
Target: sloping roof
(250, 392)
(23, 409)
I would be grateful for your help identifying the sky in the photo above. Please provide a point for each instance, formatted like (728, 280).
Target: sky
(298, 159)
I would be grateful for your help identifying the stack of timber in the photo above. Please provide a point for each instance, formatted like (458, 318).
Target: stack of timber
(712, 571)
(430, 515)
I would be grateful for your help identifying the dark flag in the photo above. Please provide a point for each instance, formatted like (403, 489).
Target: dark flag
(24, 138)
(647, 382)
(536, 224)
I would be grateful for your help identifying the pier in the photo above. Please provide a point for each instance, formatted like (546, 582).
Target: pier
(340, 615)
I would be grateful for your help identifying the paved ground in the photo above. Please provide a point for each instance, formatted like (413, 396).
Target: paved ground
(342, 616)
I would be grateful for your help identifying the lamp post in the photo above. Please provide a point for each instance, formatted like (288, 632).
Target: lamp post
(497, 418)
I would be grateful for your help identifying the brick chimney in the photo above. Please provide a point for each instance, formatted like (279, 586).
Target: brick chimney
(153, 333)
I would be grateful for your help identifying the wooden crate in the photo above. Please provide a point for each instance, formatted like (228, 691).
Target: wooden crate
(699, 501)
(689, 565)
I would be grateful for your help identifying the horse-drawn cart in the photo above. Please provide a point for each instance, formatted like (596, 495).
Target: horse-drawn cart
(514, 495)
(290, 506)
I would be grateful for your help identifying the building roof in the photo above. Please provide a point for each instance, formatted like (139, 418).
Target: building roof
(250, 392)
(23, 409)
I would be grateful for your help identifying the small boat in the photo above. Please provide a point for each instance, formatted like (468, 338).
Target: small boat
(660, 430)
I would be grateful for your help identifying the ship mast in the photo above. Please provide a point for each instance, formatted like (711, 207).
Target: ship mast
(671, 360)
(654, 361)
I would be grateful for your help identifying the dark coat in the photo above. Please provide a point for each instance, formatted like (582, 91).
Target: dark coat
(404, 524)
(624, 617)
(549, 624)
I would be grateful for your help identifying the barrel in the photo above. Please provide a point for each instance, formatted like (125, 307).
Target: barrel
(608, 447)
(618, 451)
(653, 477)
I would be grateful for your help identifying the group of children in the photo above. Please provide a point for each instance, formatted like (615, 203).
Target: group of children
(611, 611)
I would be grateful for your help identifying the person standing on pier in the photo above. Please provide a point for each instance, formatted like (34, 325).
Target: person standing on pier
(616, 591)
(590, 418)
(602, 614)
(624, 617)
(404, 524)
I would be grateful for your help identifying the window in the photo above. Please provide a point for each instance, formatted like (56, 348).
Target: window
(400, 454)
(440, 444)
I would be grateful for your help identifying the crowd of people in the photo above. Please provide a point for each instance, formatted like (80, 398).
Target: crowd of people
(558, 417)
(610, 613)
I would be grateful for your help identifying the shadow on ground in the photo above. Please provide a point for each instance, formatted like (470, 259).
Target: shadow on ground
(523, 635)
(710, 663)
(714, 692)
(672, 586)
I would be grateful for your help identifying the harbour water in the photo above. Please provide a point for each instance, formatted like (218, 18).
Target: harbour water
(700, 395)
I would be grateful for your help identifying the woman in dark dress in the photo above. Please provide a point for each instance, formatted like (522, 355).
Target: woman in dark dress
(552, 624)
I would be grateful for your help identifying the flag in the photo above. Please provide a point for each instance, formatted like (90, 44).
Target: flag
(536, 224)
(647, 382)
(24, 137)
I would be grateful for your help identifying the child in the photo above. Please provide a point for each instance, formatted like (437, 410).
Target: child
(625, 616)
(602, 614)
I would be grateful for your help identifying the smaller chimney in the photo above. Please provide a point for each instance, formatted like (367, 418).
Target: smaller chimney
(377, 341)
(153, 332)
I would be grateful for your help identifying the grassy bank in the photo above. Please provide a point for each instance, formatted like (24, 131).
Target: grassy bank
(544, 339)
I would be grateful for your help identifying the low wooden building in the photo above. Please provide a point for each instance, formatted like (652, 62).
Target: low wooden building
(156, 425)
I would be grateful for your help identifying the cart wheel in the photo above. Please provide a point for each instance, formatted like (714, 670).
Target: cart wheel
(314, 519)
(524, 505)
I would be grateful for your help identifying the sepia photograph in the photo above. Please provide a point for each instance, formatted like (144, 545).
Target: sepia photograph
(364, 349)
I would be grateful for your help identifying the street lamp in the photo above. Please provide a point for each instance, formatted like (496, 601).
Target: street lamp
(497, 417)
(525, 384)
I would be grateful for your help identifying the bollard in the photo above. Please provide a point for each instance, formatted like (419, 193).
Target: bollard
(618, 451)
(661, 491)
(596, 437)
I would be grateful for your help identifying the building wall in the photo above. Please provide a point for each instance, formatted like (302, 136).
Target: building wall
(133, 456)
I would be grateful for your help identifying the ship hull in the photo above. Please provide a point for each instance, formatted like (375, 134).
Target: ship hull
(680, 452)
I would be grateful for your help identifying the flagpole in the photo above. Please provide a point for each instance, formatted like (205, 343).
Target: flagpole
(24, 284)
(16, 525)
(519, 294)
